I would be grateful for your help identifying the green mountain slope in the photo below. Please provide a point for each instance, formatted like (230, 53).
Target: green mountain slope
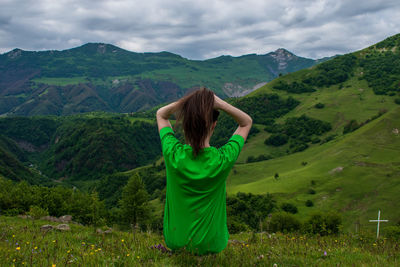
(104, 77)
(76, 149)
(356, 174)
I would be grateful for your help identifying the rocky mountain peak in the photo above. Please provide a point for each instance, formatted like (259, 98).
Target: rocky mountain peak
(282, 56)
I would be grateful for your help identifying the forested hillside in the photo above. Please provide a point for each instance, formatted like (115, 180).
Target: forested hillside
(324, 139)
(103, 77)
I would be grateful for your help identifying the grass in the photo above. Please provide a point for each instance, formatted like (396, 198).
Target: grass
(60, 81)
(22, 243)
(368, 182)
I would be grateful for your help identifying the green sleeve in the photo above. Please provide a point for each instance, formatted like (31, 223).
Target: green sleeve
(231, 150)
(168, 140)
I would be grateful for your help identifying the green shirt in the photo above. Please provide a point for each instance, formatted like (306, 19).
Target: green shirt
(195, 208)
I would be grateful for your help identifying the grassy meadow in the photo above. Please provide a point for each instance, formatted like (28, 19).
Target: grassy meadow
(22, 243)
(370, 160)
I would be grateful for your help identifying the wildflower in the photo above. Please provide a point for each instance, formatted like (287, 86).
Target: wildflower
(122, 240)
(83, 243)
(54, 241)
(374, 244)
(68, 251)
(127, 255)
(53, 265)
(35, 247)
(13, 235)
(261, 257)
(325, 253)
(137, 257)
(18, 248)
(99, 249)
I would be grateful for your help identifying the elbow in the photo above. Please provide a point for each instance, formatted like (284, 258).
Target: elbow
(159, 113)
(249, 121)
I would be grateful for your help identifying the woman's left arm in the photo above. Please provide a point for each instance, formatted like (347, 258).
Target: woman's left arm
(164, 113)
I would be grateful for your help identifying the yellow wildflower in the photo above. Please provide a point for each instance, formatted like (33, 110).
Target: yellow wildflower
(122, 240)
(53, 265)
(127, 255)
(35, 247)
(138, 257)
(18, 248)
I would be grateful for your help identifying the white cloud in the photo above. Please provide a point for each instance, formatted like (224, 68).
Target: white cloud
(200, 29)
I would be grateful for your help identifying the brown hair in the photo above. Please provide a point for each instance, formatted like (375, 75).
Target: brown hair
(197, 113)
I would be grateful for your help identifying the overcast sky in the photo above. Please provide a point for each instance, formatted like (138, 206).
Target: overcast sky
(200, 29)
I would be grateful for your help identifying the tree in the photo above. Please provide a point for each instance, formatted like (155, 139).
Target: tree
(134, 201)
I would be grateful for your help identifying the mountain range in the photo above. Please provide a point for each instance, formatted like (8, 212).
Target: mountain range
(326, 135)
(103, 77)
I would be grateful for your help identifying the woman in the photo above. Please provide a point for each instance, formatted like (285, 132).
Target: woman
(195, 208)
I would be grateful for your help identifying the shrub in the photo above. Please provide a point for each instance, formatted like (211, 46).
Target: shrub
(289, 207)
(259, 158)
(323, 223)
(37, 212)
(284, 222)
(351, 126)
(397, 101)
(311, 191)
(319, 105)
(309, 203)
(235, 226)
(392, 232)
(277, 139)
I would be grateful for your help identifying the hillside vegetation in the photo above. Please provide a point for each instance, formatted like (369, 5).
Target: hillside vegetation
(76, 148)
(354, 168)
(324, 139)
(103, 77)
(20, 245)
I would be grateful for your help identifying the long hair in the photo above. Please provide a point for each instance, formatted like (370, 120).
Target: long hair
(197, 113)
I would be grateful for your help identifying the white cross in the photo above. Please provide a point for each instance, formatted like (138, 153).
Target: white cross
(378, 221)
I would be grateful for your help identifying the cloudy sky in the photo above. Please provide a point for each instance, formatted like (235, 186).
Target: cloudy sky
(200, 29)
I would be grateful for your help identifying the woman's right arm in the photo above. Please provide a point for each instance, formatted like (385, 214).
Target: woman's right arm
(242, 118)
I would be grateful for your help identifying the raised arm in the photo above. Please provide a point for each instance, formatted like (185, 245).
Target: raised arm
(242, 118)
(163, 115)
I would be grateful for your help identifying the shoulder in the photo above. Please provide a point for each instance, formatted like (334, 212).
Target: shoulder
(230, 151)
(169, 142)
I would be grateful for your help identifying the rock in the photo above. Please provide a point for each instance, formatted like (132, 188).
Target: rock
(50, 218)
(63, 227)
(65, 218)
(46, 227)
(107, 231)
(395, 131)
(336, 170)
